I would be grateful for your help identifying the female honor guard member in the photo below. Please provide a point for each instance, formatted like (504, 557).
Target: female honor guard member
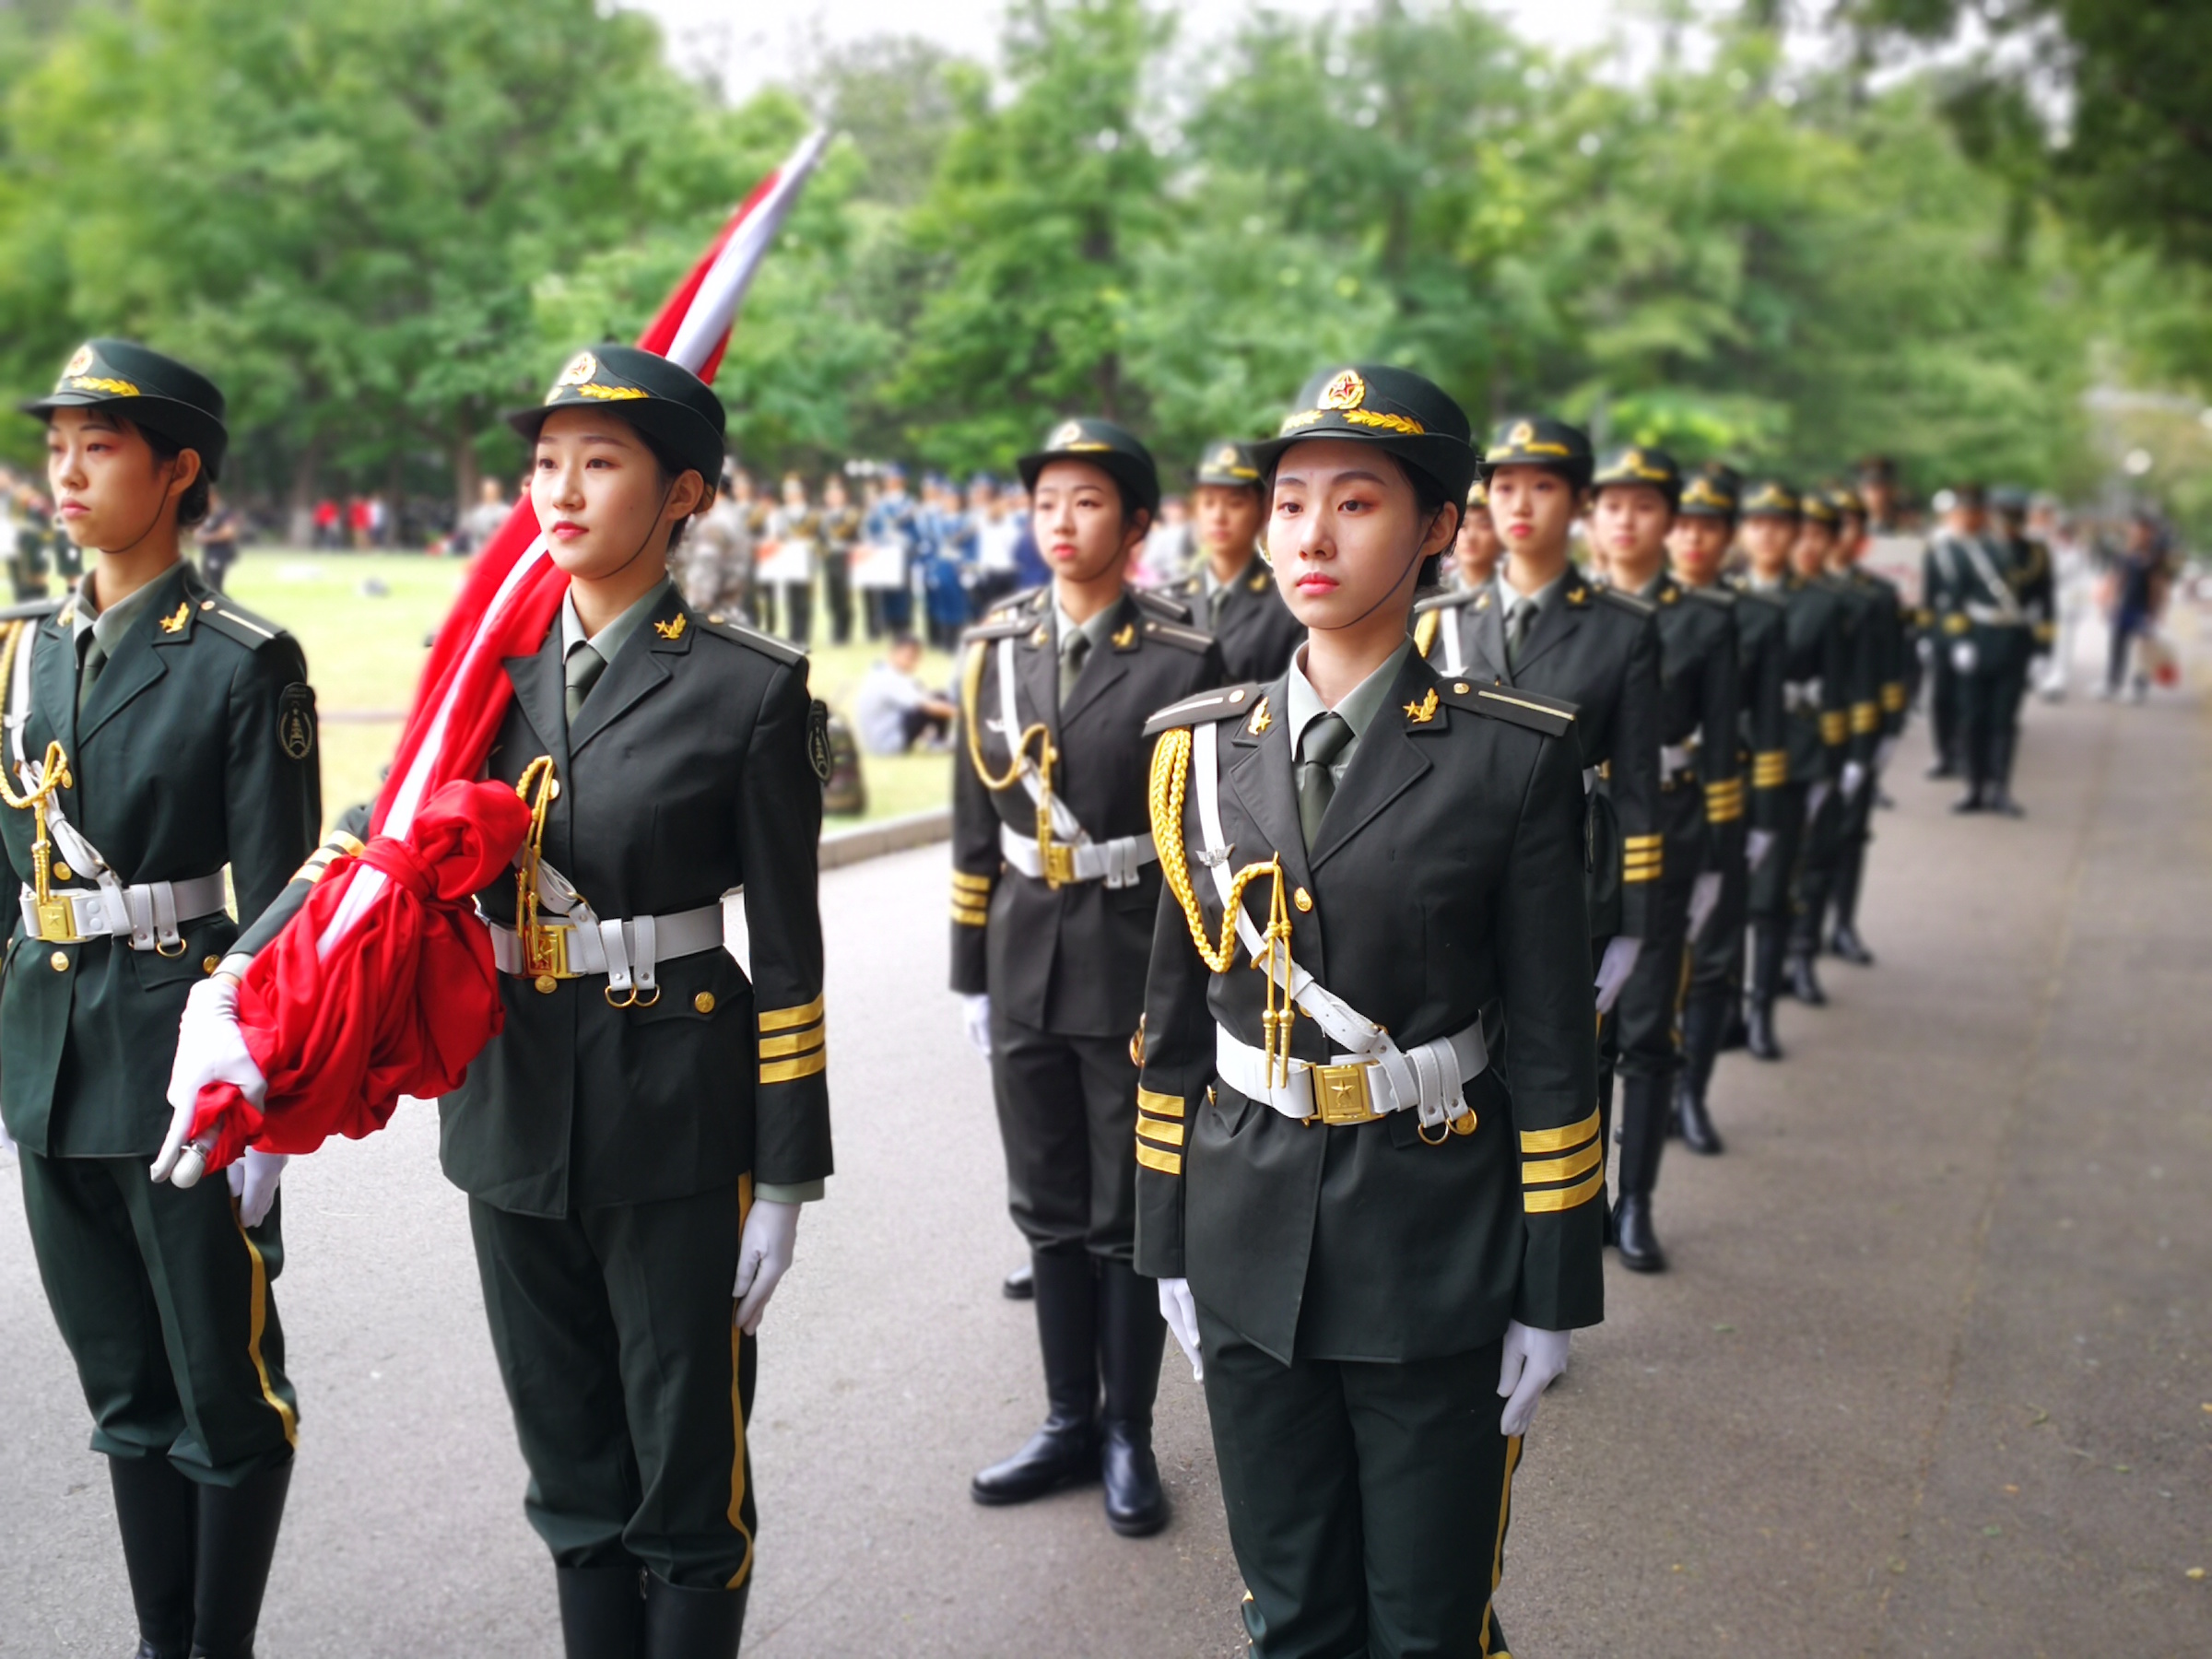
(1232, 595)
(156, 732)
(1543, 624)
(1700, 803)
(1055, 883)
(1370, 1172)
(1704, 530)
(1815, 671)
(1884, 637)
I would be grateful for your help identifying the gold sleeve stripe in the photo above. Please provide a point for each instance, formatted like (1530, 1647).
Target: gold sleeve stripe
(1651, 873)
(1553, 1199)
(1152, 1157)
(797, 1043)
(1835, 726)
(1643, 843)
(1893, 697)
(1559, 1140)
(1160, 1105)
(1643, 855)
(1726, 812)
(1866, 717)
(971, 918)
(805, 1065)
(782, 1019)
(961, 881)
(1153, 1129)
(1563, 1169)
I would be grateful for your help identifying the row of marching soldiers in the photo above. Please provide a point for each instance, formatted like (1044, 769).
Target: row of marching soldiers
(1145, 776)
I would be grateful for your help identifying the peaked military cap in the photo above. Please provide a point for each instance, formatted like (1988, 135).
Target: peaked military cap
(148, 389)
(1478, 493)
(1714, 490)
(1970, 495)
(1403, 414)
(1640, 463)
(1771, 497)
(1846, 499)
(1228, 464)
(2010, 499)
(665, 401)
(1539, 441)
(1877, 469)
(1113, 449)
(1819, 507)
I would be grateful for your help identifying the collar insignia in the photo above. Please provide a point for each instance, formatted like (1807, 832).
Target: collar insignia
(1261, 720)
(1258, 583)
(1482, 602)
(1125, 636)
(672, 631)
(1576, 595)
(1423, 713)
(174, 623)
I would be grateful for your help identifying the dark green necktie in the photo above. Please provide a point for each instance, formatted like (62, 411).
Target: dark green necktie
(1519, 618)
(1075, 650)
(1214, 602)
(584, 668)
(1324, 740)
(88, 676)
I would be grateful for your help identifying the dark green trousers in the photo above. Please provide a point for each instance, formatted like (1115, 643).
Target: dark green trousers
(165, 1303)
(1367, 1502)
(630, 1386)
(1818, 862)
(1652, 1000)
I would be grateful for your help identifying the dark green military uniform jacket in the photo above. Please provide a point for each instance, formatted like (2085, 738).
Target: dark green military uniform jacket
(1764, 723)
(1862, 684)
(1070, 960)
(1995, 602)
(1699, 704)
(1817, 674)
(1597, 649)
(194, 750)
(686, 774)
(1888, 646)
(1254, 629)
(1444, 884)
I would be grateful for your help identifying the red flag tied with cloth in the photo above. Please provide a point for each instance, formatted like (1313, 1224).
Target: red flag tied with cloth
(383, 983)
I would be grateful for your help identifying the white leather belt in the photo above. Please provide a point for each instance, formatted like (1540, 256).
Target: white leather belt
(626, 951)
(1351, 1089)
(1801, 696)
(1117, 863)
(1995, 615)
(150, 914)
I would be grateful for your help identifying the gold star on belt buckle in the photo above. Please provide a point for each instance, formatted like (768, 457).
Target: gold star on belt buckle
(1340, 1094)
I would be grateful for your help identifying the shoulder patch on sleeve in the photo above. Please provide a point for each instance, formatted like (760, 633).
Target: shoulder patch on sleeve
(1174, 633)
(233, 622)
(819, 752)
(296, 719)
(1223, 704)
(1155, 602)
(1635, 604)
(1553, 716)
(767, 645)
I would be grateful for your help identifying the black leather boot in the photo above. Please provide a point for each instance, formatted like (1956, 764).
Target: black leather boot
(1640, 1145)
(693, 1624)
(1131, 1336)
(1843, 938)
(1804, 984)
(1766, 980)
(238, 1540)
(156, 1510)
(1998, 796)
(1019, 1284)
(1701, 1015)
(1971, 801)
(602, 1611)
(1065, 1450)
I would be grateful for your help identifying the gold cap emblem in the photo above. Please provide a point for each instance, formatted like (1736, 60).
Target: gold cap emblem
(581, 368)
(1067, 435)
(1227, 459)
(1348, 391)
(82, 361)
(1523, 433)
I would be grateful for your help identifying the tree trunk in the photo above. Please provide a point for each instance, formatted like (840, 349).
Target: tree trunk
(468, 471)
(299, 505)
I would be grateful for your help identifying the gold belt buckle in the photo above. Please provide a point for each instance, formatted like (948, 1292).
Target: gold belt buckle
(1059, 864)
(57, 921)
(1340, 1094)
(545, 953)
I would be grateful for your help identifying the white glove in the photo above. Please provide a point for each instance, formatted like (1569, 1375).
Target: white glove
(1704, 893)
(1181, 1314)
(1963, 657)
(771, 1230)
(1884, 752)
(1532, 1359)
(975, 1017)
(253, 1180)
(210, 1049)
(1613, 972)
(1815, 798)
(1758, 844)
(1855, 778)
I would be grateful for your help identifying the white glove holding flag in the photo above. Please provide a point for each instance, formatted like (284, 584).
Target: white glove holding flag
(1758, 844)
(253, 1180)
(1180, 1311)
(1855, 779)
(1704, 893)
(975, 1018)
(1531, 1361)
(210, 1049)
(1613, 972)
(1964, 657)
(764, 1250)
(1815, 798)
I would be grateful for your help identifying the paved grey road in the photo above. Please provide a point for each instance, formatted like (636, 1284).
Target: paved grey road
(1932, 1374)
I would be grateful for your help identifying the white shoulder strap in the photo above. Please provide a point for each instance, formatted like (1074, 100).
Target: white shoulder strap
(1455, 662)
(19, 695)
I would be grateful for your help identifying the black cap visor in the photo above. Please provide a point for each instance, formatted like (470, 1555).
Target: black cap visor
(181, 423)
(1141, 483)
(686, 438)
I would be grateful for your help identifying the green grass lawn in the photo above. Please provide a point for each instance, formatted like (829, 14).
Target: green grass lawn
(365, 621)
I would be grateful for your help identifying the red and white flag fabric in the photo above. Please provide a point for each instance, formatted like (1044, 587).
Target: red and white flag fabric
(382, 985)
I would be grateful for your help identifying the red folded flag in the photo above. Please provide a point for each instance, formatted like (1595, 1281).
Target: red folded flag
(382, 985)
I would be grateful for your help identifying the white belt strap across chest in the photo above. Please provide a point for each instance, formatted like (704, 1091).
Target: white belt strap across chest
(627, 950)
(150, 915)
(1378, 1077)
(1115, 862)
(1455, 662)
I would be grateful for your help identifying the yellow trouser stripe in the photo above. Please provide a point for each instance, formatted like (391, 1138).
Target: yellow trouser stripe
(1505, 1509)
(745, 1568)
(258, 1320)
(1559, 1140)
(782, 1019)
